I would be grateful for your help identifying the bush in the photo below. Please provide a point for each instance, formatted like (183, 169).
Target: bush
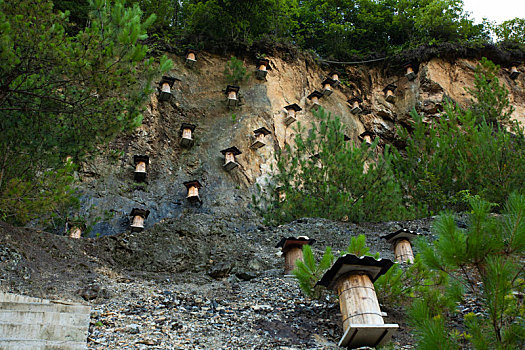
(323, 175)
(310, 271)
(65, 94)
(483, 263)
(460, 154)
(234, 71)
(393, 287)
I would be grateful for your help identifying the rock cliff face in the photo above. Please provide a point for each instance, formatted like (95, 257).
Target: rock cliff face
(109, 192)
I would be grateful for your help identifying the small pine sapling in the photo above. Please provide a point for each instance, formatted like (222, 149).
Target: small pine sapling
(310, 271)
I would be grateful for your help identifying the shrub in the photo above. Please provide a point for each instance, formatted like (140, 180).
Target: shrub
(234, 71)
(323, 175)
(310, 271)
(484, 263)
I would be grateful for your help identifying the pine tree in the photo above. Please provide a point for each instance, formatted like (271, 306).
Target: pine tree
(484, 263)
(64, 94)
(323, 175)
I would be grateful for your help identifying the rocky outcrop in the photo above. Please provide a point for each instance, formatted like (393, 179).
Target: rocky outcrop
(109, 192)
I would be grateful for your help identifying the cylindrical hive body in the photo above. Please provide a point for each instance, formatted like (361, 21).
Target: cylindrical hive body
(166, 87)
(229, 157)
(514, 69)
(140, 167)
(282, 196)
(367, 139)
(335, 77)
(356, 104)
(327, 87)
(262, 67)
(260, 137)
(410, 70)
(138, 221)
(75, 232)
(191, 56)
(193, 191)
(232, 95)
(389, 93)
(358, 300)
(186, 133)
(315, 100)
(291, 112)
(291, 255)
(403, 251)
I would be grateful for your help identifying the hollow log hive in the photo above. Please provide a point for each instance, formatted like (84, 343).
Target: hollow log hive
(141, 162)
(292, 249)
(186, 139)
(400, 239)
(229, 158)
(193, 191)
(291, 111)
(260, 135)
(262, 68)
(138, 216)
(353, 278)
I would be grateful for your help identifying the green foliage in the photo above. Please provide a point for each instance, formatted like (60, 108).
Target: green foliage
(358, 247)
(339, 29)
(64, 94)
(393, 287)
(310, 271)
(229, 22)
(465, 152)
(234, 71)
(490, 99)
(511, 31)
(400, 283)
(324, 176)
(485, 261)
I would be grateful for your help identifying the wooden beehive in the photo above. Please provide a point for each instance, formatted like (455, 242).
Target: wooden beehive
(327, 86)
(409, 71)
(229, 158)
(260, 135)
(292, 249)
(402, 246)
(335, 77)
(389, 92)
(141, 164)
(75, 232)
(353, 278)
(166, 83)
(367, 136)
(138, 216)
(191, 57)
(314, 99)
(232, 95)
(291, 111)
(514, 73)
(263, 65)
(186, 137)
(354, 104)
(193, 191)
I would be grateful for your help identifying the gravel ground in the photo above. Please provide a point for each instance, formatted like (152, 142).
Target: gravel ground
(267, 312)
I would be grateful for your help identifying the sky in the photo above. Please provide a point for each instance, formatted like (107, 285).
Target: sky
(495, 10)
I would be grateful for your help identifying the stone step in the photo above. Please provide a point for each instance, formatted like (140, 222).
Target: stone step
(46, 307)
(41, 345)
(34, 324)
(17, 298)
(56, 318)
(41, 331)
